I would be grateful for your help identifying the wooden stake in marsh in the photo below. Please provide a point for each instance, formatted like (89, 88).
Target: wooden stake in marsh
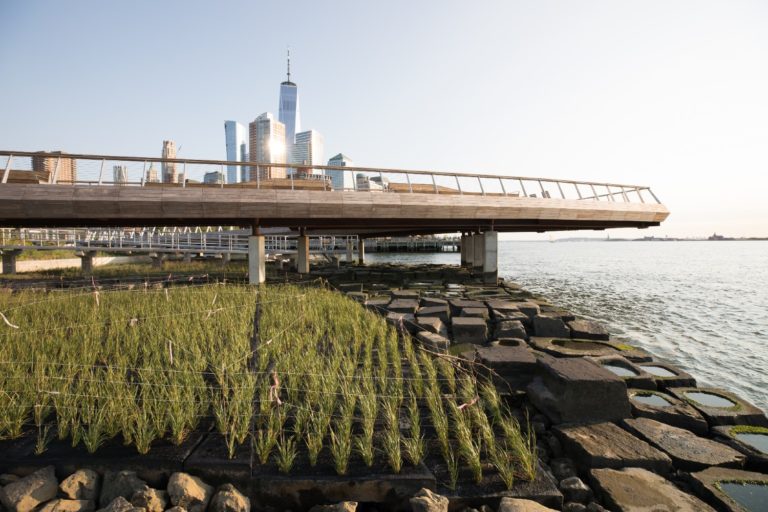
(253, 368)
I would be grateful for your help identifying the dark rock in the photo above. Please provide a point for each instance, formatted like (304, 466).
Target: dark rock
(358, 297)
(516, 364)
(572, 506)
(740, 413)
(344, 506)
(502, 306)
(605, 445)
(588, 330)
(512, 342)
(119, 483)
(229, 499)
(469, 330)
(636, 489)
(550, 327)
(596, 507)
(405, 294)
(562, 468)
(476, 312)
(566, 347)
(688, 451)
(189, 492)
(83, 484)
(8, 478)
(378, 304)
(428, 501)
(677, 413)
(757, 460)
(402, 321)
(429, 302)
(510, 329)
(707, 485)
(574, 489)
(578, 390)
(553, 443)
(457, 305)
(25, 494)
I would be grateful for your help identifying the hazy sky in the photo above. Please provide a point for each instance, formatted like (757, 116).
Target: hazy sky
(672, 94)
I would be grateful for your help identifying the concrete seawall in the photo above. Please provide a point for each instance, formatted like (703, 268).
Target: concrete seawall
(40, 265)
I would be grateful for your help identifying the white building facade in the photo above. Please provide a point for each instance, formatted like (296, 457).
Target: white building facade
(267, 145)
(308, 150)
(341, 180)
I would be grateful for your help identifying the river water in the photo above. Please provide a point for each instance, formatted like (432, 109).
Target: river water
(700, 305)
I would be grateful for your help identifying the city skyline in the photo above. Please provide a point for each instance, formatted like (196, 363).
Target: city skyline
(666, 96)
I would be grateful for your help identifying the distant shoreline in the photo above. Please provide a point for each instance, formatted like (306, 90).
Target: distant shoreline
(653, 239)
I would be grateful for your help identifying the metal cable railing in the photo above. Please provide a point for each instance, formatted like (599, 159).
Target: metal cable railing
(103, 170)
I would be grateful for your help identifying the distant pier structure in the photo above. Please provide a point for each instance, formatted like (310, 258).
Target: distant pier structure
(414, 244)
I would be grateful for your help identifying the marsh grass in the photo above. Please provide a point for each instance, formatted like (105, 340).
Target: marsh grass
(325, 375)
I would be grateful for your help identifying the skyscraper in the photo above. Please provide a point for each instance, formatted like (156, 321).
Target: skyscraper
(169, 168)
(47, 163)
(152, 175)
(267, 145)
(237, 149)
(119, 174)
(307, 149)
(288, 112)
(213, 177)
(341, 180)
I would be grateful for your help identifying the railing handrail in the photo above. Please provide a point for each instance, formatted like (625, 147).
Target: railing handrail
(449, 174)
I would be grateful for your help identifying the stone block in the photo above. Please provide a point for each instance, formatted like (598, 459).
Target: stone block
(720, 407)
(509, 329)
(510, 315)
(378, 304)
(636, 489)
(402, 321)
(433, 341)
(566, 347)
(578, 390)
(751, 441)
(25, 494)
(430, 302)
(668, 376)
(476, 312)
(550, 327)
(408, 306)
(666, 409)
(688, 451)
(405, 294)
(588, 330)
(469, 330)
(432, 324)
(605, 445)
(530, 309)
(714, 484)
(457, 305)
(515, 364)
(440, 312)
(632, 375)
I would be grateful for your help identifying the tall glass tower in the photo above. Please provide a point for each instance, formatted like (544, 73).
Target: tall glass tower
(236, 136)
(288, 112)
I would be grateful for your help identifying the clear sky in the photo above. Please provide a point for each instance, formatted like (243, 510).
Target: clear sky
(672, 94)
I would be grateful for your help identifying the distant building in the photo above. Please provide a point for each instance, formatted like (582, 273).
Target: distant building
(237, 151)
(119, 174)
(55, 164)
(288, 110)
(308, 150)
(169, 168)
(341, 180)
(152, 175)
(213, 178)
(267, 145)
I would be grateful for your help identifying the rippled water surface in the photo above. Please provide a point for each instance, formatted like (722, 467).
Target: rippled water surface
(700, 305)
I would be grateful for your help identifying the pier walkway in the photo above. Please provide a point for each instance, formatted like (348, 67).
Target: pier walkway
(70, 190)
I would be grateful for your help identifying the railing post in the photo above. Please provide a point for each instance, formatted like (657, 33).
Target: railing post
(144, 174)
(522, 187)
(434, 183)
(576, 186)
(480, 181)
(458, 184)
(610, 194)
(562, 194)
(7, 170)
(503, 188)
(53, 178)
(223, 178)
(654, 195)
(543, 192)
(640, 195)
(101, 171)
(184, 179)
(594, 192)
(408, 179)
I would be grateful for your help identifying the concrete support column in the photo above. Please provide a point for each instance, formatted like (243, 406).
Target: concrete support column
(468, 250)
(302, 256)
(361, 251)
(187, 258)
(478, 251)
(350, 250)
(257, 273)
(157, 260)
(86, 262)
(9, 261)
(490, 257)
(226, 257)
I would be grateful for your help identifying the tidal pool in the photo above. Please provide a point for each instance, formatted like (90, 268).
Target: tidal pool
(652, 399)
(709, 399)
(752, 497)
(758, 441)
(658, 371)
(620, 370)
